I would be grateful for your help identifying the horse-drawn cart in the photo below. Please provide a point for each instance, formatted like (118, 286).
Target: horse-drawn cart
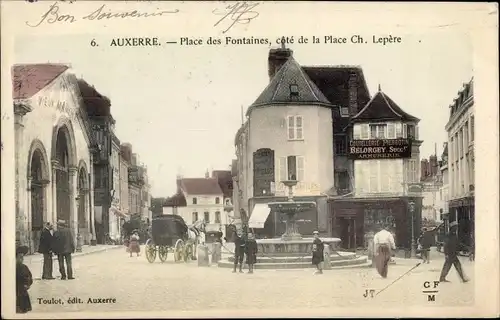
(169, 233)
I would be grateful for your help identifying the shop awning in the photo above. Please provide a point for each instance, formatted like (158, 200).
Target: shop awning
(259, 216)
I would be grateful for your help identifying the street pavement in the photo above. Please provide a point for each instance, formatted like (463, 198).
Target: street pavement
(137, 285)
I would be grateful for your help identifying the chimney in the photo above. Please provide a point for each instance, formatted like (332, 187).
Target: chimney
(353, 93)
(276, 59)
(207, 174)
(178, 183)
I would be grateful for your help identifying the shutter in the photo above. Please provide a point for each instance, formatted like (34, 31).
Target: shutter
(399, 130)
(405, 131)
(391, 130)
(365, 131)
(298, 127)
(291, 127)
(374, 177)
(385, 175)
(360, 182)
(300, 169)
(357, 132)
(281, 169)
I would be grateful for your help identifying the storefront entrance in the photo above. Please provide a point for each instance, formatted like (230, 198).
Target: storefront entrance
(348, 233)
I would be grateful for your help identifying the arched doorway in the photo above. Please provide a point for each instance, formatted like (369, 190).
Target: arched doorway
(63, 192)
(83, 198)
(38, 202)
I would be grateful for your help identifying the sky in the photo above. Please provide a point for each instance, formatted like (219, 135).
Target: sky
(180, 107)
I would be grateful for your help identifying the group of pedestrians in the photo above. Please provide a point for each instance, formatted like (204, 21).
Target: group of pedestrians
(61, 243)
(384, 245)
(244, 246)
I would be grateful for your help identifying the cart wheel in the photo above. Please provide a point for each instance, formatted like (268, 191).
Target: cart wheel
(178, 250)
(150, 251)
(188, 252)
(163, 253)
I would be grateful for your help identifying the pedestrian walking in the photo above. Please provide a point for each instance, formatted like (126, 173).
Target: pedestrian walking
(64, 247)
(24, 280)
(317, 253)
(134, 246)
(251, 251)
(384, 244)
(239, 250)
(425, 241)
(45, 247)
(451, 248)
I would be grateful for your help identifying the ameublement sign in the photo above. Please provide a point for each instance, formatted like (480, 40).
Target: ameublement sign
(380, 149)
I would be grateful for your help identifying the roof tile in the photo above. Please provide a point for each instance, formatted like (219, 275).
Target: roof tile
(29, 79)
(201, 186)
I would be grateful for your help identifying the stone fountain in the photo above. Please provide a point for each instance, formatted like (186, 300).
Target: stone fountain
(292, 250)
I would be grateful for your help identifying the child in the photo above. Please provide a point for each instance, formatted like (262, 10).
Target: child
(24, 280)
(317, 252)
(251, 251)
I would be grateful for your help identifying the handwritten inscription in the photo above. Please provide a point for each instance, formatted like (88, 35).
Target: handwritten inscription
(54, 15)
(240, 12)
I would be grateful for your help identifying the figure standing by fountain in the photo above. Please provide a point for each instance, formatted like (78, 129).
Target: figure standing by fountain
(239, 250)
(317, 254)
(251, 251)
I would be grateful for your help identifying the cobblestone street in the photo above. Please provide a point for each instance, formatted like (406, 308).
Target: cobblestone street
(140, 286)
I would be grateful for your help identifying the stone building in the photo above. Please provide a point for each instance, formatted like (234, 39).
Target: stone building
(53, 152)
(444, 189)
(125, 159)
(460, 128)
(288, 131)
(432, 182)
(103, 126)
(384, 149)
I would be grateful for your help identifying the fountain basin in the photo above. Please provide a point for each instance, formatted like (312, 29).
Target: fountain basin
(291, 248)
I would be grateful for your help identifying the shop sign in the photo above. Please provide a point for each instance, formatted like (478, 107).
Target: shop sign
(380, 149)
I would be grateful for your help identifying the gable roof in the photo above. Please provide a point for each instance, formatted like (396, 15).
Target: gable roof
(29, 79)
(381, 107)
(200, 186)
(278, 90)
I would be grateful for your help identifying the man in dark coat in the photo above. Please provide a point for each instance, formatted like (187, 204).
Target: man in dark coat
(24, 280)
(451, 248)
(64, 246)
(426, 240)
(45, 248)
(251, 251)
(317, 252)
(239, 250)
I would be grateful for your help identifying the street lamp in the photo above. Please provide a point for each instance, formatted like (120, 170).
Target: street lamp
(413, 244)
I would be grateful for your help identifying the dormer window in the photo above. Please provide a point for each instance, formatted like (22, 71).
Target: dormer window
(344, 111)
(294, 90)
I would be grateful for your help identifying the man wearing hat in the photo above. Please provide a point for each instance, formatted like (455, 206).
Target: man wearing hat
(317, 252)
(384, 243)
(24, 280)
(45, 248)
(239, 250)
(64, 246)
(451, 247)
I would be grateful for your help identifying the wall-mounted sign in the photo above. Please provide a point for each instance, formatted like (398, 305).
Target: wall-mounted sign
(263, 171)
(380, 149)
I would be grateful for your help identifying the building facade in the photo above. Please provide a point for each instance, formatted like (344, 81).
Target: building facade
(432, 182)
(136, 183)
(116, 214)
(444, 196)
(384, 148)
(288, 134)
(53, 152)
(460, 128)
(124, 165)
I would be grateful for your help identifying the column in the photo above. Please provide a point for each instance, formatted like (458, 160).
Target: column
(73, 208)
(55, 165)
(29, 216)
(20, 173)
(93, 239)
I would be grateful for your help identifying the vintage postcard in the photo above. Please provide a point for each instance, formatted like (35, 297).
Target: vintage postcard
(249, 159)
